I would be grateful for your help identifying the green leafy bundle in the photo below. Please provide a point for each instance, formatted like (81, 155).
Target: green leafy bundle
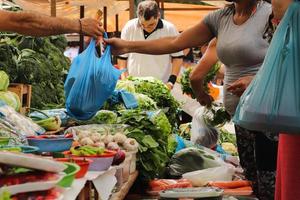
(157, 91)
(36, 61)
(185, 81)
(151, 130)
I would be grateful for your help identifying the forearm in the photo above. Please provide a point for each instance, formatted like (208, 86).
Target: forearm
(176, 65)
(192, 37)
(197, 77)
(38, 25)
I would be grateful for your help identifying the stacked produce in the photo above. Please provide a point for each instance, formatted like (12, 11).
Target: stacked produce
(151, 130)
(10, 98)
(111, 137)
(154, 90)
(36, 61)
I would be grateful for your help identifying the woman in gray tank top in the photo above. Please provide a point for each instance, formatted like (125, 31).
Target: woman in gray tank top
(239, 29)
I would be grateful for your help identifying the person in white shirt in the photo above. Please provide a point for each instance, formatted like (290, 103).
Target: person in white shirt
(148, 26)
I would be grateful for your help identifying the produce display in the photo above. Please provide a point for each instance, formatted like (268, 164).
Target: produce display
(110, 137)
(157, 91)
(87, 151)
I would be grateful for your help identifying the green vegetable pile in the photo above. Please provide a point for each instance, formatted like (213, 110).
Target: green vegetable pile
(151, 130)
(186, 83)
(36, 61)
(157, 91)
(226, 136)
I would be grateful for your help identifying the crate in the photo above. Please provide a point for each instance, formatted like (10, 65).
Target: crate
(24, 93)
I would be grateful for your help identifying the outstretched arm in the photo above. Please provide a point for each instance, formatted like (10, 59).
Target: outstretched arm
(39, 25)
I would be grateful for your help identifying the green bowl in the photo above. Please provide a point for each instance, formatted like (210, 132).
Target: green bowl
(70, 172)
(4, 140)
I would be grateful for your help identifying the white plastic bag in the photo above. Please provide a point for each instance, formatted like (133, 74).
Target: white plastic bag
(202, 177)
(201, 133)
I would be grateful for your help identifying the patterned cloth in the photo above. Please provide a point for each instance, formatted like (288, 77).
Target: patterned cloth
(258, 154)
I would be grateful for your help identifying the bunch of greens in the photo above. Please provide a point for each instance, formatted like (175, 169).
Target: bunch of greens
(216, 115)
(186, 82)
(151, 130)
(38, 62)
(145, 102)
(157, 91)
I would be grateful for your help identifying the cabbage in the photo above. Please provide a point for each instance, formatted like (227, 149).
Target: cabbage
(11, 99)
(126, 85)
(4, 81)
(145, 102)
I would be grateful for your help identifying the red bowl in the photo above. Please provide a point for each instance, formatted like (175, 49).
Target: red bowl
(82, 162)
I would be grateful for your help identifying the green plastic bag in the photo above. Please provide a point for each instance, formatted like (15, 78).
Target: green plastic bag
(272, 101)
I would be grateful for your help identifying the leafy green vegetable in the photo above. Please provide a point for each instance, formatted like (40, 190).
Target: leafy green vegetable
(215, 115)
(157, 91)
(186, 82)
(185, 130)
(11, 99)
(188, 160)
(151, 131)
(226, 136)
(4, 81)
(172, 144)
(5, 196)
(126, 85)
(145, 102)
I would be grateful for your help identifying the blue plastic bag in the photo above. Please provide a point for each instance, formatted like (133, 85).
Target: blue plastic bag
(272, 101)
(91, 80)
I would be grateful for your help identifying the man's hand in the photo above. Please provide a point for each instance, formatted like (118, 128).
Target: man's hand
(118, 46)
(92, 27)
(169, 85)
(238, 87)
(204, 99)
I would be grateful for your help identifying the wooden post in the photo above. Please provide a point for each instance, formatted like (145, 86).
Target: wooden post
(131, 9)
(81, 37)
(105, 17)
(117, 23)
(53, 8)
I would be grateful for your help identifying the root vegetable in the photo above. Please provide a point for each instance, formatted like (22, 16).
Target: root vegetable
(86, 141)
(99, 144)
(113, 146)
(130, 144)
(107, 139)
(119, 138)
(95, 137)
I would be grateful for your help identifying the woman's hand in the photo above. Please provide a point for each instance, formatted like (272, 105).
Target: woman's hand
(118, 46)
(238, 87)
(205, 99)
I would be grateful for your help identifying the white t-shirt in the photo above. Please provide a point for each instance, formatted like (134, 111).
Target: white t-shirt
(143, 65)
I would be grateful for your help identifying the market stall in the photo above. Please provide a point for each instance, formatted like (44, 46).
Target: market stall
(132, 145)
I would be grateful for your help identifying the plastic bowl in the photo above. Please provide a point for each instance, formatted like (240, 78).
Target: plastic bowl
(4, 140)
(70, 172)
(100, 163)
(81, 162)
(51, 144)
(24, 149)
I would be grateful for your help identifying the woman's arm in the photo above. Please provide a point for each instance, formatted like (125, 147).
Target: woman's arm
(198, 74)
(192, 37)
(40, 25)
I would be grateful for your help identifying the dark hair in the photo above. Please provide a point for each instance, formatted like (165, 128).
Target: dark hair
(148, 9)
